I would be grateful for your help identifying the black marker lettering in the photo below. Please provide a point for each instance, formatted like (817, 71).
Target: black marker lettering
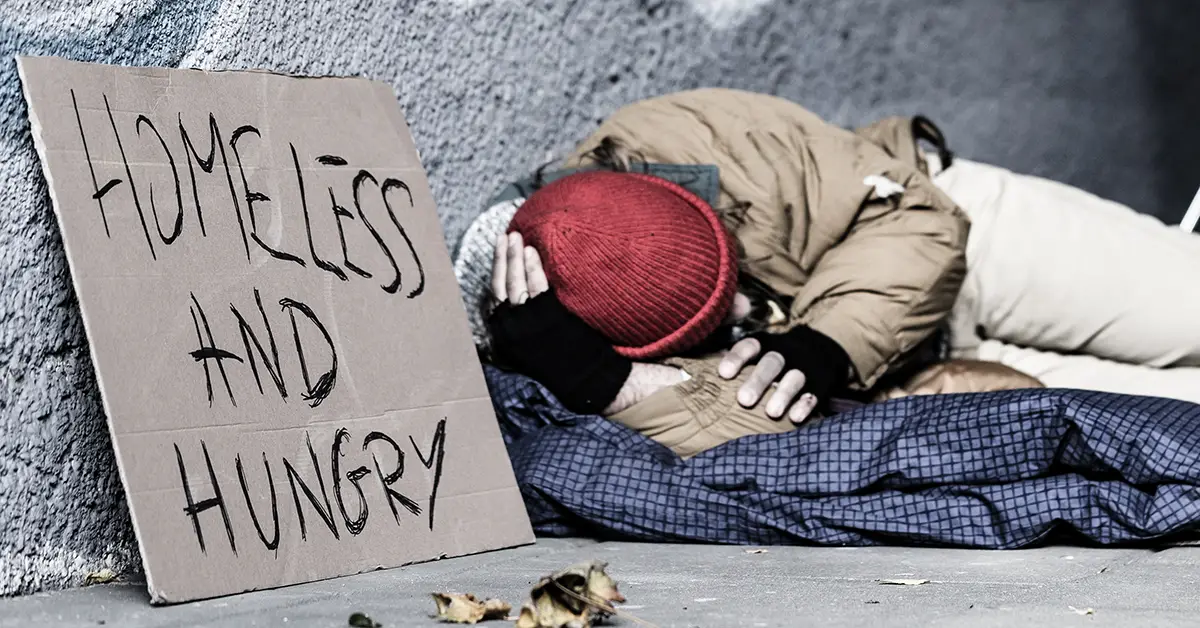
(331, 160)
(325, 513)
(209, 351)
(104, 190)
(353, 526)
(437, 451)
(194, 508)
(200, 341)
(386, 481)
(175, 231)
(271, 363)
(207, 165)
(315, 393)
(273, 542)
(388, 185)
(129, 176)
(340, 212)
(99, 193)
(253, 197)
(363, 175)
(312, 249)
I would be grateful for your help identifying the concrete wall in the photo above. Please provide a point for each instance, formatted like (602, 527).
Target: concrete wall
(1099, 93)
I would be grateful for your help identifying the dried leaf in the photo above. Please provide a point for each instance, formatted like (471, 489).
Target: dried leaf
(756, 551)
(1083, 611)
(528, 617)
(571, 598)
(464, 608)
(601, 586)
(548, 612)
(902, 582)
(100, 576)
(496, 609)
(361, 620)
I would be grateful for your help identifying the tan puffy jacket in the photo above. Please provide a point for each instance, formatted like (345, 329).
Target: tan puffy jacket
(877, 273)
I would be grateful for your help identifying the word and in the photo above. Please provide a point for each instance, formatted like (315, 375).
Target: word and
(316, 389)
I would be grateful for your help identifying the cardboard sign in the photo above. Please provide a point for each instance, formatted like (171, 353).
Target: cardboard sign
(275, 325)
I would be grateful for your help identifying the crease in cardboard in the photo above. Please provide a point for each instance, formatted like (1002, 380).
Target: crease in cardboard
(385, 415)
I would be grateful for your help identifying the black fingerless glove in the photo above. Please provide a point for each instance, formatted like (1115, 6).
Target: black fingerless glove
(542, 339)
(823, 361)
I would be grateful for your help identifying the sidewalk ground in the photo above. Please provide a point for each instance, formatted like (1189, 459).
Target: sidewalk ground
(710, 586)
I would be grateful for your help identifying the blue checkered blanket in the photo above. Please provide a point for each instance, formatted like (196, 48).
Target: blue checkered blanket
(995, 470)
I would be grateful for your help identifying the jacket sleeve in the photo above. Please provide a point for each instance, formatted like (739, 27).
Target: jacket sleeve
(877, 274)
(894, 276)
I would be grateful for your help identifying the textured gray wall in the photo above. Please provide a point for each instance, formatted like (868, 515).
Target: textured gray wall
(1098, 93)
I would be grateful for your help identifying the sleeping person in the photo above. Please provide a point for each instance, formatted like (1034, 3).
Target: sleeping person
(718, 263)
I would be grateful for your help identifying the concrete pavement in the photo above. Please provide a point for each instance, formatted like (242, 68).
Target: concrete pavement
(710, 586)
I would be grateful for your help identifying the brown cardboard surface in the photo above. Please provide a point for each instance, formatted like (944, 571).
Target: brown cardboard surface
(278, 337)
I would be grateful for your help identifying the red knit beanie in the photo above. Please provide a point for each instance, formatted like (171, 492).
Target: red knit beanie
(638, 258)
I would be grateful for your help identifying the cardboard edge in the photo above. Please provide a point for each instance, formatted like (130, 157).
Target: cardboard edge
(352, 77)
(40, 148)
(162, 602)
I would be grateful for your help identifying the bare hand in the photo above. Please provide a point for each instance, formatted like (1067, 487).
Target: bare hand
(517, 273)
(766, 373)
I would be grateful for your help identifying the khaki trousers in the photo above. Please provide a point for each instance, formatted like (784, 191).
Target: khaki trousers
(1075, 290)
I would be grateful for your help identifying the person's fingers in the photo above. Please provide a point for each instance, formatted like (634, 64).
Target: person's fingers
(500, 268)
(803, 408)
(785, 393)
(768, 370)
(518, 291)
(535, 275)
(742, 353)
